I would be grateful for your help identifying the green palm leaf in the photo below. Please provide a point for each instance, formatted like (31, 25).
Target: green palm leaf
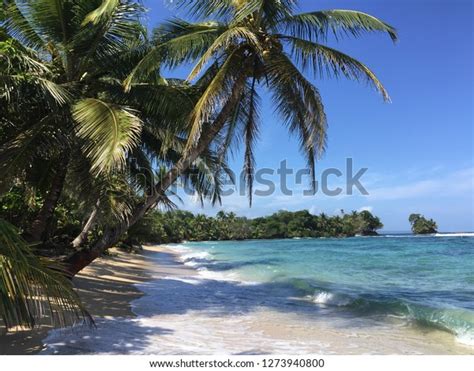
(251, 132)
(323, 59)
(18, 24)
(110, 132)
(21, 67)
(30, 290)
(300, 105)
(113, 33)
(177, 42)
(21, 151)
(205, 8)
(226, 39)
(318, 25)
(217, 91)
(52, 18)
(103, 11)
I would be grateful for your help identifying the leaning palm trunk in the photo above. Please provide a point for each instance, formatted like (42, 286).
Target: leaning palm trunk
(79, 260)
(81, 238)
(39, 227)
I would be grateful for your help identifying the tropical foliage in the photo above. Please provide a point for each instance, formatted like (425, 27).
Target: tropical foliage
(421, 225)
(177, 226)
(30, 288)
(93, 136)
(68, 125)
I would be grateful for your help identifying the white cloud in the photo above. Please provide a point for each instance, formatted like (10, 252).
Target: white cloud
(443, 185)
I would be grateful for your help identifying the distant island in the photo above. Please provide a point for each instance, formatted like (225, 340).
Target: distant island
(421, 225)
(177, 226)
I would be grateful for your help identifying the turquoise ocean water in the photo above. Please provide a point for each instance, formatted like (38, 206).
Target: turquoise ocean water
(425, 281)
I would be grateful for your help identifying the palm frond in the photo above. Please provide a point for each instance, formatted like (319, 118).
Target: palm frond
(113, 33)
(318, 25)
(202, 9)
(30, 291)
(251, 132)
(60, 94)
(103, 11)
(206, 177)
(35, 141)
(245, 9)
(110, 132)
(217, 92)
(230, 37)
(231, 137)
(54, 18)
(300, 105)
(49, 89)
(325, 60)
(166, 105)
(18, 24)
(177, 42)
(141, 171)
(22, 67)
(116, 198)
(267, 12)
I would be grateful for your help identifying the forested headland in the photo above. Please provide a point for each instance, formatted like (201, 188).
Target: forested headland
(177, 226)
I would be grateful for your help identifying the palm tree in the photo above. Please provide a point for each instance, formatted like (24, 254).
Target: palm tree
(63, 49)
(248, 45)
(251, 43)
(116, 197)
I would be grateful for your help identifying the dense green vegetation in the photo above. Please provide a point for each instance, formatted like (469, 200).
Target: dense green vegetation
(176, 226)
(92, 135)
(421, 225)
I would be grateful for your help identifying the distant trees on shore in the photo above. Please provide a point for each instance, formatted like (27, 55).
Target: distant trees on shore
(421, 225)
(175, 226)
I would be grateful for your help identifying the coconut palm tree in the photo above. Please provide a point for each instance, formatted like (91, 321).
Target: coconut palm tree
(239, 47)
(115, 197)
(60, 48)
(251, 43)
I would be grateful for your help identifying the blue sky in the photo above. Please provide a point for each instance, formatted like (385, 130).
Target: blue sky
(418, 149)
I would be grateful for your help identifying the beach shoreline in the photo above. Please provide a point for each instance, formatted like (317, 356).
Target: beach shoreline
(107, 287)
(117, 288)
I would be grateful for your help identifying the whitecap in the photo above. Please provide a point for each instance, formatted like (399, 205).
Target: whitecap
(328, 298)
(464, 234)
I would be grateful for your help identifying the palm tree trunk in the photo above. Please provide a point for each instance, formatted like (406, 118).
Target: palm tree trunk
(39, 228)
(80, 239)
(79, 260)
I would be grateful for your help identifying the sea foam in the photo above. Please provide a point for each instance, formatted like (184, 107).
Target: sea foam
(464, 234)
(328, 298)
